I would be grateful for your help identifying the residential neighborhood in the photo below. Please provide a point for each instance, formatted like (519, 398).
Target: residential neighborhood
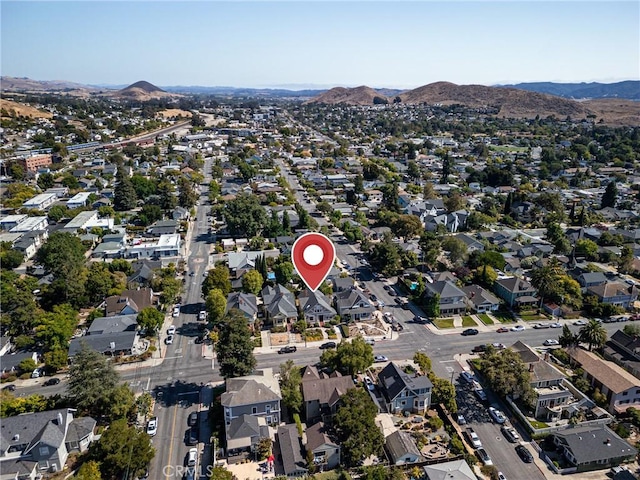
(486, 277)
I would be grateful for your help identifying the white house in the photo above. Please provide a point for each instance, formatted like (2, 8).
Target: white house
(40, 202)
(164, 246)
(78, 200)
(31, 224)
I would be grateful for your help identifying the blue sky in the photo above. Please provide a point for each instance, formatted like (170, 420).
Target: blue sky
(325, 43)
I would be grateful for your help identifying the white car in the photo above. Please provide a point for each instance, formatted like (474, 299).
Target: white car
(171, 330)
(152, 426)
(497, 415)
(550, 341)
(202, 315)
(555, 325)
(176, 312)
(380, 358)
(517, 328)
(169, 340)
(369, 382)
(501, 476)
(580, 322)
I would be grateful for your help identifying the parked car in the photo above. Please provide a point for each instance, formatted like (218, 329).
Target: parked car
(541, 325)
(479, 348)
(473, 438)
(152, 426)
(327, 345)
(202, 315)
(470, 331)
(380, 358)
(370, 341)
(171, 330)
(192, 419)
(481, 394)
(467, 376)
(524, 454)
(370, 385)
(9, 388)
(510, 433)
(580, 322)
(419, 319)
(192, 457)
(502, 330)
(461, 420)
(484, 456)
(555, 325)
(288, 349)
(550, 341)
(498, 346)
(168, 340)
(373, 298)
(517, 328)
(501, 476)
(192, 436)
(176, 312)
(52, 381)
(497, 415)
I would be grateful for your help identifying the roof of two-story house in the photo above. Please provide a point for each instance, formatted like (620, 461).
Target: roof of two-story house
(624, 350)
(247, 303)
(452, 299)
(480, 299)
(129, 302)
(516, 291)
(404, 392)
(279, 304)
(325, 451)
(321, 393)
(315, 306)
(615, 293)
(353, 304)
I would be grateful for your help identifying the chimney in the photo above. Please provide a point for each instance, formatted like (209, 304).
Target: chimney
(531, 367)
(59, 418)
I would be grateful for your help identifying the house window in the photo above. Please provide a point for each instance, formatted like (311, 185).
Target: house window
(254, 410)
(269, 419)
(268, 409)
(403, 402)
(624, 394)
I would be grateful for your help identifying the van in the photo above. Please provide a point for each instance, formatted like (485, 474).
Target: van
(192, 457)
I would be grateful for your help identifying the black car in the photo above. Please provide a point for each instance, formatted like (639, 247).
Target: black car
(373, 298)
(479, 348)
(9, 388)
(524, 454)
(192, 436)
(52, 381)
(328, 345)
(470, 331)
(288, 349)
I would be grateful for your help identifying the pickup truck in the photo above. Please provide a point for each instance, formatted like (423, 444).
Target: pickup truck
(472, 436)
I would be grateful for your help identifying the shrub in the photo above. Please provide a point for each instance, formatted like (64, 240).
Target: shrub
(435, 423)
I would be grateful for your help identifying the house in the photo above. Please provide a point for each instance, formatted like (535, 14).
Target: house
(620, 387)
(163, 227)
(165, 246)
(31, 224)
(247, 303)
(34, 443)
(454, 470)
(7, 222)
(480, 300)
(403, 392)
(180, 213)
(257, 394)
(143, 271)
(29, 243)
(41, 201)
(321, 393)
(553, 398)
(624, 350)
(593, 447)
(244, 433)
(325, 452)
(130, 302)
(78, 200)
(452, 299)
(86, 220)
(111, 343)
(402, 449)
(353, 305)
(11, 361)
(293, 462)
(279, 305)
(615, 293)
(591, 279)
(516, 291)
(316, 307)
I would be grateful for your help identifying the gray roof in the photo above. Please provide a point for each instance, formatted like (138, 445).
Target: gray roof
(251, 389)
(102, 343)
(454, 470)
(245, 302)
(11, 361)
(48, 427)
(80, 428)
(279, 301)
(400, 443)
(445, 289)
(119, 323)
(591, 277)
(244, 426)
(349, 298)
(394, 380)
(516, 284)
(292, 460)
(326, 390)
(478, 295)
(591, 444)
(317, 437)
(309, 299)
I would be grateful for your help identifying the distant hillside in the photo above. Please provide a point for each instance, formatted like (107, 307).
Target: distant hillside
(27, 85)
(17, 108)
(629, 89)
(352, 96)
(140, 91)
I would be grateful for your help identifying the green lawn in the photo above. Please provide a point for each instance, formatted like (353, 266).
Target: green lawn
(503, 317)
(532, 317)
(443, 322)
(486, 319)
(508, 148)
(467, 321)
(536, 424)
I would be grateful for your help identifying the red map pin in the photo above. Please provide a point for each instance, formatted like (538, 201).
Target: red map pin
(313, 255)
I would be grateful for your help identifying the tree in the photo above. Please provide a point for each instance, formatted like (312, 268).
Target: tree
(124, 195)
(349, 357)
(485, 275)
(385, 257)
(507, 374)
(610, 195)
(245, 216)
(428, 192)
(567, 338)
(235, 348)
(217, 277)
(290, 382)
(55, 328)
(358, 183)
(390, 197)
(283, 272)
(252, 282)
(63, 256)
(457, 249)
(432, 306)
(57, 213)
(286, 222)
(92, 379)
(413, 170)
(89, 471)
(587, 248)
(216, 304)
(46, 180)
(218, 472)
(443, 392)
(454, 202)
(423, 361)
(10, 258)
(27, 365)
(187, 194)
(430, 246)
(123, 451)
(632, 330)
(593, 334)
(150, 319)
(446, 168)
(407, 226)
(556, 236)
(355, 427)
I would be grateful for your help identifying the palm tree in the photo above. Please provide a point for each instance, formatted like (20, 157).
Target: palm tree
(594, 334)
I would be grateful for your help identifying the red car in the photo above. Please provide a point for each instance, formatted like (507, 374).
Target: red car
(502, 330)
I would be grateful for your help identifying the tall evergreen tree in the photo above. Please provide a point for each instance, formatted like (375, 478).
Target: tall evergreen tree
(507, 204)
(286, 223)
(610, 195)
(124, 195)
(235, 347)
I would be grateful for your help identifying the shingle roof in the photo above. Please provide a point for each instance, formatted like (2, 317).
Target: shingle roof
(80, 428)
(325, 390)
(394, 380)
(244, 426)
(591, 444)
(400, 443)
(612, 376)
(445, 289)
(103, 342)
(309, 299)
(317, 437)
(118, 323)
(292, 459)
(516, 284)
(454, 470)
(251, 389)
(32, 428)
